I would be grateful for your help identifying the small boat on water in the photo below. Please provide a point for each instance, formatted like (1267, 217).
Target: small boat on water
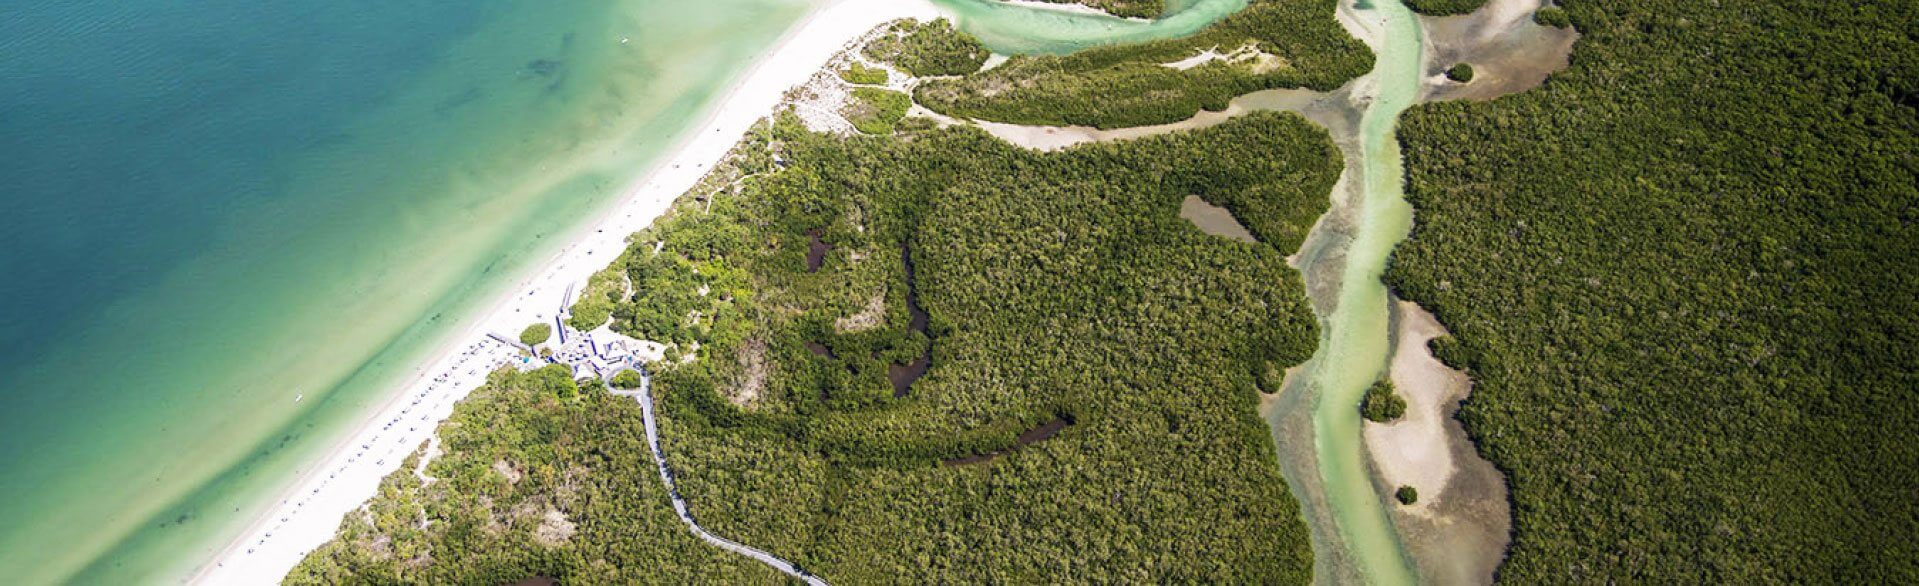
(296, 398)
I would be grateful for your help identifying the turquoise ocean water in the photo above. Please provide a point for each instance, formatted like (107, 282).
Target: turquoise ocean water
(210, 208)
(213, 207)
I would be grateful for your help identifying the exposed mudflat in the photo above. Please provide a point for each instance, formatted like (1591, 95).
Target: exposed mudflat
(1213, 219)
(1458, 530)
(1508, 51)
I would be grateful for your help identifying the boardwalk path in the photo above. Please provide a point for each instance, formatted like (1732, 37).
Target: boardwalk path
(645, 398)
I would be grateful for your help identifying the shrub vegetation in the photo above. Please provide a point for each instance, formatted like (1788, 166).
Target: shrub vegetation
(876, 111)
(1460, 72)
(1552, 16)
(512, 454)
(536, 334)
(860, 73)
(1444, 7)
(1123, 8)
(929, 49)
(626, 379)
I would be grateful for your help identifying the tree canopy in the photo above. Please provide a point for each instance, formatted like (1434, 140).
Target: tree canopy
(536, 334)
(1680, 275)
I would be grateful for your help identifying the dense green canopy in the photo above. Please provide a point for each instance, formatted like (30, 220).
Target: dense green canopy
(1057, 288)
(1681, 274)
(536, 334)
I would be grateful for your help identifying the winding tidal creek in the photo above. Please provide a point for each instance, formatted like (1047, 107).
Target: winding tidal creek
(1343, 260)
(1315, 418)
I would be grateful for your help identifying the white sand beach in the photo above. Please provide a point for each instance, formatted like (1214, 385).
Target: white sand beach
(307, 514)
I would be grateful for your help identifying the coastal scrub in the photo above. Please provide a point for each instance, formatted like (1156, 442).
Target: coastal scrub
(928, 49)
(536, 334)
(876, 111)
(863, 74)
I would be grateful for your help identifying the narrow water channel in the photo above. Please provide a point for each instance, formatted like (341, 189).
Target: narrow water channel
(1355, 340)
(1316, 418)
(1013, 29)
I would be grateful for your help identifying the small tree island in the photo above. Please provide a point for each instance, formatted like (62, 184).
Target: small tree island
(536, 334)
(1461, 72)
(1382, 403)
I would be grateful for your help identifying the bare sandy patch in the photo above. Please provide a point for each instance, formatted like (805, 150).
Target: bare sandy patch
(1508, 51)
(1248, 55)
(753, 372)
(1458, 530)
(868, 318)
(507, 470)
(1412, 451)
(554, 528)
(1213, 219)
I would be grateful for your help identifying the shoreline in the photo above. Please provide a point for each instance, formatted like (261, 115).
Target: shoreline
(308, 512)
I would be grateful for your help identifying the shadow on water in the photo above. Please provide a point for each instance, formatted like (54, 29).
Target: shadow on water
(1042, 433)
(903, 375)
(816, 250)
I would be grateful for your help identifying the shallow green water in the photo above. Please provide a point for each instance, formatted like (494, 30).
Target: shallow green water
(215, 207)
(1356, 344)
(1012, 29)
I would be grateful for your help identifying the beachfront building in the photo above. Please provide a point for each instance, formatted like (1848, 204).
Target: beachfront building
(599, 353)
